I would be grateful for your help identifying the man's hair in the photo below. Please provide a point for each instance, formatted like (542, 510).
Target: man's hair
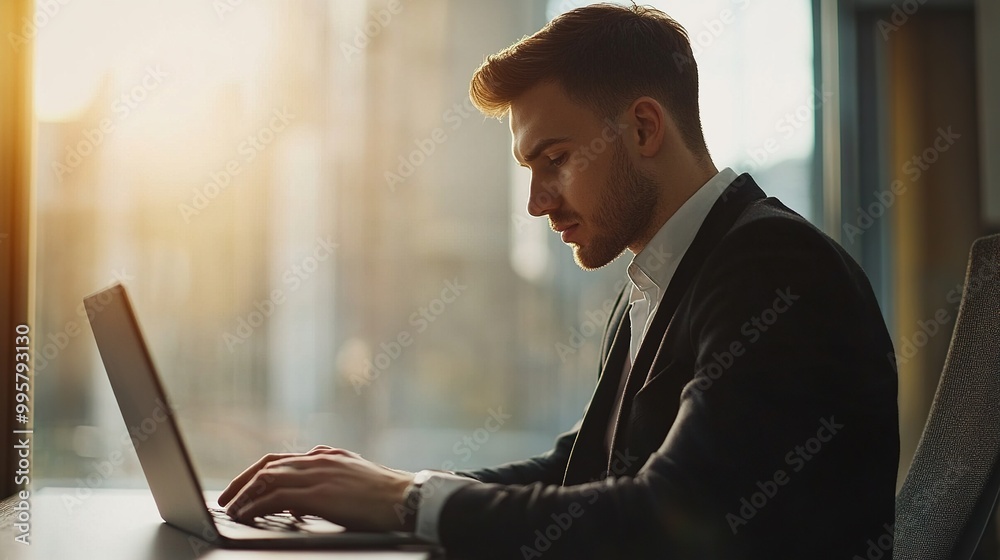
(605, 57)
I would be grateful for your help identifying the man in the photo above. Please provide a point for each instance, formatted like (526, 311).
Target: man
(745, 408)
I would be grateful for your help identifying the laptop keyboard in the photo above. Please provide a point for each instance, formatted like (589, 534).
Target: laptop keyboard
(274, 522)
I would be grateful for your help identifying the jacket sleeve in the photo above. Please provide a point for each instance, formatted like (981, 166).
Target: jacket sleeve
(813, 368)
(547, 468)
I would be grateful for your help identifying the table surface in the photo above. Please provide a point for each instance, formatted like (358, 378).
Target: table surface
(124, 525)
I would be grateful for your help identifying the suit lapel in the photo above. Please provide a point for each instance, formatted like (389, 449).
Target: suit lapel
(727, 208)
(588, 457)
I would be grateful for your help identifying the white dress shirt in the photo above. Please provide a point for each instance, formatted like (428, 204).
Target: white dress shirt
(650, 272)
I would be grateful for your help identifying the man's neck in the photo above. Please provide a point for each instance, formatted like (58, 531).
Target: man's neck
(674, 195)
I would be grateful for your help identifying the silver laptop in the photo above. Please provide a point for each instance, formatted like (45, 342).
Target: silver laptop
(165, 461)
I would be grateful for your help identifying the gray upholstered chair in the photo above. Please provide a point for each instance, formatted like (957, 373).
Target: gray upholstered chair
(952, 485)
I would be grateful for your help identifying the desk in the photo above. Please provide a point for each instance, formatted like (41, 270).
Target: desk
(124, 525)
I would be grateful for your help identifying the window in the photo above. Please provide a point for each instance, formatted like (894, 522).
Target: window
(320, 234)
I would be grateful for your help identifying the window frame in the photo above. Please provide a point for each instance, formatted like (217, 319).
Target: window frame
(15, 216)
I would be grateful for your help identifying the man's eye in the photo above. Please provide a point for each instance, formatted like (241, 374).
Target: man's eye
(559, 160)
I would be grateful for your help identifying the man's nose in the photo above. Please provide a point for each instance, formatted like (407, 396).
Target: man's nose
(543, 197)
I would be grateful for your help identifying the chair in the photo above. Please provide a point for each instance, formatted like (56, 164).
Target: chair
(952, 485)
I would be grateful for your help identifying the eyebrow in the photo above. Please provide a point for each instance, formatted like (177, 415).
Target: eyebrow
(540, 147)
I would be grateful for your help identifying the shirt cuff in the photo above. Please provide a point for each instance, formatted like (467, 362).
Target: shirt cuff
(433, 494)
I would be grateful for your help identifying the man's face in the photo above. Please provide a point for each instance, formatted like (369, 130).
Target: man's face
(581, 175)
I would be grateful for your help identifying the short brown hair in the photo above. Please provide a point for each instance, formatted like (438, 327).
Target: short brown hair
(604, 56)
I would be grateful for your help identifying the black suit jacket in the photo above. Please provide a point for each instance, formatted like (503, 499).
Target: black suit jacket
(760, 416)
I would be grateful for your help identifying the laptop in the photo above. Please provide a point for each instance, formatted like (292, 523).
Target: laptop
(165, 461)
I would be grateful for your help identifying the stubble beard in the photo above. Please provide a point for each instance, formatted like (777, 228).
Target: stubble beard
(624, 213)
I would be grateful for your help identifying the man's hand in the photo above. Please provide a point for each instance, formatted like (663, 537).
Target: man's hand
(336, 484)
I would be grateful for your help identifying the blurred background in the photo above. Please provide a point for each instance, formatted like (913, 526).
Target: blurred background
(326, 243)
(328, 150)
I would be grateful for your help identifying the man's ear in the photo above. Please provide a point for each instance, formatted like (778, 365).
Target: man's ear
(651, 121)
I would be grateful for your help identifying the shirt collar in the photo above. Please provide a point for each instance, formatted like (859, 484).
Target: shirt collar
(651, 270)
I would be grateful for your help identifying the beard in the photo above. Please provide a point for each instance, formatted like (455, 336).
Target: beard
(625, 212)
